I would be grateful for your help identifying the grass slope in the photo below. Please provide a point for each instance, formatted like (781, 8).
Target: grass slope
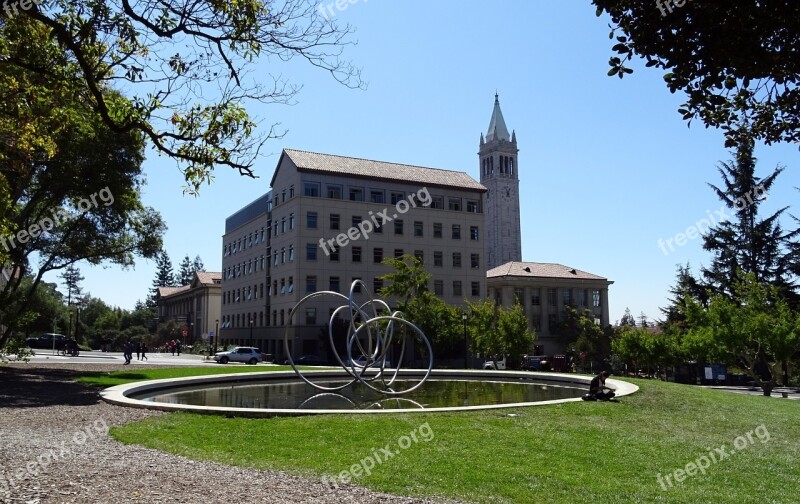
(577, 452)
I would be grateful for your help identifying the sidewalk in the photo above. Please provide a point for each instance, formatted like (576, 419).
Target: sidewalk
(777, 392)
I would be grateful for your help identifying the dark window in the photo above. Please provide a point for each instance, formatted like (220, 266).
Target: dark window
(398, 227)
(356, 254)
(454, 204)
(456, 259)
(438, 287)
(473, 206)
(417, 228)
(420, 255)
(437, 229)
(377, 196)
(456, 232)
(437, 259)
(456, 287)
(437, 202)
(334, 255)
(536, 296)
(334, 285)
(311, 252)
(311, 220)
(355, 221)
(396, 196)
(356, 194)
(473, 233)
(476, 289)
(311, 189)
(311, 316)
(335, 191)
(398, 253)
(475, 260)
(377, 254)
(334, 221)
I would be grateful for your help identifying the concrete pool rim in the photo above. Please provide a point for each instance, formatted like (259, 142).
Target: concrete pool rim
(120, 394)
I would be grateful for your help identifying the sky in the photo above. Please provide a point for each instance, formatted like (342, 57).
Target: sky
(607, 167)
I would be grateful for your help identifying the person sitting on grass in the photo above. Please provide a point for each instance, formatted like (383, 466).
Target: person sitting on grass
(598, 390)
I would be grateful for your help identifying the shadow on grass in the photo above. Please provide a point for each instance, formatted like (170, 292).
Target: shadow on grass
(30, 388)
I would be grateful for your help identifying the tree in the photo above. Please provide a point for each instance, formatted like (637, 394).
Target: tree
(748, 244)
(186, 272)
(495, 331)
(164, 277)
(579, 331)
(627, 319)
(134, 46)
(197, 264)
(72, 278)
(70, 185)
(735, 61)
(685, 285)
(755, 329)
(408, 280)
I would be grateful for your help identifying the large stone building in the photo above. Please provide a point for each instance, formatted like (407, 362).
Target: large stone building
(330, 220)
(196, 306)
(545, 290)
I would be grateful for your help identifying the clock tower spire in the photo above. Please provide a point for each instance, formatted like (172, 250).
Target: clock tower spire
(499, 173)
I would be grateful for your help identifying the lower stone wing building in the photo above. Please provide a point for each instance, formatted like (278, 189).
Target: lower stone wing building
(196, 306)
(544, 290)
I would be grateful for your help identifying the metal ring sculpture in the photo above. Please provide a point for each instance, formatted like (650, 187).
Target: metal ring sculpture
(377, 330)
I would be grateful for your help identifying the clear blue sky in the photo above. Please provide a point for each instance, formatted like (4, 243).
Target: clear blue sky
(607, 166)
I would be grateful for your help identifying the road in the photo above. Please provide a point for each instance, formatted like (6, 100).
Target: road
(97, 357)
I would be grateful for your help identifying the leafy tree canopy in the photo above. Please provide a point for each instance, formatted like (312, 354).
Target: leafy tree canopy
(738, 63)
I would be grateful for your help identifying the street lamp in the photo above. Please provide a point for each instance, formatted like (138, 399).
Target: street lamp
(216, 334)
(466, 347)
(251, 332)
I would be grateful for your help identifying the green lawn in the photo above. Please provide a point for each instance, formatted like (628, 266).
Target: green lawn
(576, 452)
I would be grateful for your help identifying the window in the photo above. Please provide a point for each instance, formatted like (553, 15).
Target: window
(454, 204)
(334, 255)
(291, 220)
(311, 252)
(552, 321)
(566, 296)
(355, 221)
(311, 316)
(311, 189)
(456, 287)
(378, 224)
(398, 227)
(335, 191)
(473, 206)
(334, 221)
(420, 255)
(519, 294)
(311, 220)
(551, 297)
(437, 259)
(291, 253)
(377, 285)
(582, 296)
(475, 260)
(356, 194)
(398, 253)
(283, 196)
(283, 224)
(437, 202)
(283, 255)
(291, 191)
(437, 229)
(536, 296)
(456, 259)
(377, 255)
(283, 286)
(334, 284)
(476, 289)
(595, 298)
(290, 287)
(438, 287)
(473, 233)
(376, 196)
(395, 197)
(275, 258)
(311, 283)
(356, 287)
(356, 254)
(417, 228)
(456, 232)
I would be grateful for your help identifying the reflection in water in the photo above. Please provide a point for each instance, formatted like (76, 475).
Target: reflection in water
(298, 395)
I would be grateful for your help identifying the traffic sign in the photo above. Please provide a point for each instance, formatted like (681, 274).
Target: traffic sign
(185, 331)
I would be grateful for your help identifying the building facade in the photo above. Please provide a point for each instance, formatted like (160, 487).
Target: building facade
(544, 290)
(196, 305)
(330, 220)
(498, 156)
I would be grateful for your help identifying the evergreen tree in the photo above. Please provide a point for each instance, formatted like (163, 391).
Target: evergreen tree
(627, 319)
(186, 272)
(747, 244)
(685, 285)
(198, 264)
(164, 277)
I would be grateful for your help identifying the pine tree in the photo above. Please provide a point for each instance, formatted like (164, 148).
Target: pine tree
(198, 264)
(186, 272)
(627, 319)
(747, 244)
(164, 277)
(685, 285)
(72, 279)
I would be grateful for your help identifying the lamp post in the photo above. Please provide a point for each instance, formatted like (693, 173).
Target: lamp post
(466, 347)
(251, 332)
(216, 334)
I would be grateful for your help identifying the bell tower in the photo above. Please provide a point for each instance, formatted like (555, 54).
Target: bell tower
(500, 175)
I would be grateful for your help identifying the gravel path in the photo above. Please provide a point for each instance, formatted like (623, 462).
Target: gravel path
(54, 447)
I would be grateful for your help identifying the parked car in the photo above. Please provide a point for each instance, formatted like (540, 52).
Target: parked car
(310, 360)
(248, 355)
(490, 364)
(45, 341)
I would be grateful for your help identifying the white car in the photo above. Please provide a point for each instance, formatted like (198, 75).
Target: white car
(248, 355)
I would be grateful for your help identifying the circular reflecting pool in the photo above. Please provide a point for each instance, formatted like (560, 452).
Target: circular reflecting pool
(435, 393)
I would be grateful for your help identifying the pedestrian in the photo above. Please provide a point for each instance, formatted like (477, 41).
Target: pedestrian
(126, 352)
(172, 347)
(178, 346)
(143, 349)
(138, 347)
